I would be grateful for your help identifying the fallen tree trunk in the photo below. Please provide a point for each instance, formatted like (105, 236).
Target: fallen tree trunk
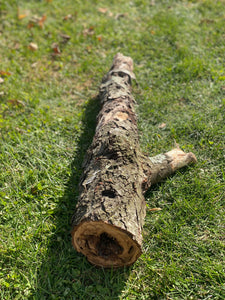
(109, 216)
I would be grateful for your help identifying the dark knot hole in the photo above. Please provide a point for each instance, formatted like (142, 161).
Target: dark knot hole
(109, 193)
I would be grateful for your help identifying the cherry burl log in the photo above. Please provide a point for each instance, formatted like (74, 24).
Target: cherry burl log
(109, 217)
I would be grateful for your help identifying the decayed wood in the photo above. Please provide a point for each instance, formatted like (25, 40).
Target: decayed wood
(109, 216)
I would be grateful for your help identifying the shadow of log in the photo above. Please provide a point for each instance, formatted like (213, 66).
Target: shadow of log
(66, 274)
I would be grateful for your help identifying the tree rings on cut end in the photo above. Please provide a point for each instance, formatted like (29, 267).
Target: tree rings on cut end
(105, 245)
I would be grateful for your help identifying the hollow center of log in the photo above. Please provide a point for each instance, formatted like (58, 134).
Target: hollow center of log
(105, 245)
(108, 246)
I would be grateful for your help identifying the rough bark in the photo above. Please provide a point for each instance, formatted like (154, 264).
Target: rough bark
(109, 216)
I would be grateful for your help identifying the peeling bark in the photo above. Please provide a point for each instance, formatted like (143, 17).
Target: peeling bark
(109, 217)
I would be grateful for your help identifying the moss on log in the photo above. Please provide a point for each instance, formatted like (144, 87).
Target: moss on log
(109, 217)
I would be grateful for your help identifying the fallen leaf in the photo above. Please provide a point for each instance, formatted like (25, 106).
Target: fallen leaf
(65, 37)
(67, 17)
(33, 47)
(30, 25)
(152, 32)
(42, 20)
(155, 209)
(55, 48)
(16, 102)
(1, 80)
(19, 130)
(162, 125)
(34, 65)
(89, 31)
(118, 16)
(99, 37)
(20, 17)
(102, 10)
(35, 20)
(16, 46)
(5, 73)
(89, 48)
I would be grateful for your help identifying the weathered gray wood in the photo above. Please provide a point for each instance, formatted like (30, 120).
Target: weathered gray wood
(109, 217)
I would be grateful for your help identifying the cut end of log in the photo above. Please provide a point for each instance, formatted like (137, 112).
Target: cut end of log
(105, 245)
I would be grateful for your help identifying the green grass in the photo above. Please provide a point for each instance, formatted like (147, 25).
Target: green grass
(48, 108)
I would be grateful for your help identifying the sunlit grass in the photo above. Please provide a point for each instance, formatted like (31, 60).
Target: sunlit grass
(48, 108)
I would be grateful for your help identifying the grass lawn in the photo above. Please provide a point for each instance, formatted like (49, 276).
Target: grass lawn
(53, 55)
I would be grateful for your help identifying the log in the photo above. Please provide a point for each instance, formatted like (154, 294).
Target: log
(109, 216)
